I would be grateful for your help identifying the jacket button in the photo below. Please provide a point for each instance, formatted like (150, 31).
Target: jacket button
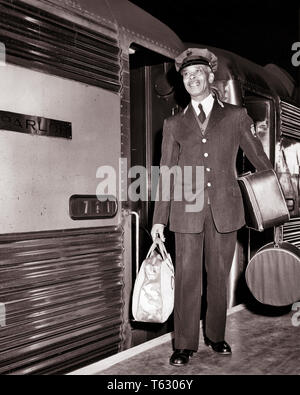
(209, 184)
(208, 169)
(206, 154)
(204, 140)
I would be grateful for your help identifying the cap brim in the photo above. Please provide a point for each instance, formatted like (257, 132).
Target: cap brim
(191, 62)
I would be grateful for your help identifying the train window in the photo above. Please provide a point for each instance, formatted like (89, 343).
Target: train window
(92, 207)
(260, 111)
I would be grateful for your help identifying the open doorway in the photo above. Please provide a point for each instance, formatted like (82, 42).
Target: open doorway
(154, 86)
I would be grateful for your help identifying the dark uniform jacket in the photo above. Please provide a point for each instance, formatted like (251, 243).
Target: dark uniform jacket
(215, 152)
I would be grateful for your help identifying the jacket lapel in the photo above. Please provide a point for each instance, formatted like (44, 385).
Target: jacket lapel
(217, 114)
(192, 122)
(190, 119)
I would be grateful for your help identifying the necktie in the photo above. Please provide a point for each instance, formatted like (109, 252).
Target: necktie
(202, 115)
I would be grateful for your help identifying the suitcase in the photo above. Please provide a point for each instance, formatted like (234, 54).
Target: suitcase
(264, 202)
(153, 292)
(273, 274)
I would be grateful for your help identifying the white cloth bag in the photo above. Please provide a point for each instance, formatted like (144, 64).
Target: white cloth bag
(153, 292)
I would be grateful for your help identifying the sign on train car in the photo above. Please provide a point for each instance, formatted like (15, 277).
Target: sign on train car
(35, 125)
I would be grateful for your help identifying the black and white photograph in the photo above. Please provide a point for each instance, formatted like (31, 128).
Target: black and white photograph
(150, 191)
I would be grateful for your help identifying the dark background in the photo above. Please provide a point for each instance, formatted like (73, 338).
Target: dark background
(261, 31)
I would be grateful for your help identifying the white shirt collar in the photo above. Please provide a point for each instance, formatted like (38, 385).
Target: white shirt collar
(207, 104)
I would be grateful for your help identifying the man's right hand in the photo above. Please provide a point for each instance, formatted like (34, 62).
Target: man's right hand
(158, 231)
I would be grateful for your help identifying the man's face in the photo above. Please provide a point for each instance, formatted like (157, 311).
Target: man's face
(197, 80)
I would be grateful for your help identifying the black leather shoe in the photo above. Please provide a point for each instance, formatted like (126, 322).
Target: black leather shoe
(222, 347)
(180, 357)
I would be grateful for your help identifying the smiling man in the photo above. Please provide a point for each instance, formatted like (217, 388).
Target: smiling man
(207, 134)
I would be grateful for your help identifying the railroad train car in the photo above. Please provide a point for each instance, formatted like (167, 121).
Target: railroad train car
(85, 88)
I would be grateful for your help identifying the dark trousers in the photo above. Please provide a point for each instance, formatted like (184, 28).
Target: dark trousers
(218, 249)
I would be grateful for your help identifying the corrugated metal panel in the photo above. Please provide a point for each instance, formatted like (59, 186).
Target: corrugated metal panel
(42, 41)
(291, 231)
(60, 298)
(289, 120)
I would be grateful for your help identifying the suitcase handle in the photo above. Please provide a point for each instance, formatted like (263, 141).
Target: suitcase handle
(162, 249)
(137, 252)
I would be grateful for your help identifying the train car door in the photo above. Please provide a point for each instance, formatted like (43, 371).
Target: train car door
(152, 98)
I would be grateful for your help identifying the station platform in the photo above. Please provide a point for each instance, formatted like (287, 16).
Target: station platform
(264, 341)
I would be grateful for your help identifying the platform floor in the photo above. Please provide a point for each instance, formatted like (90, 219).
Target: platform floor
(263, 343)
